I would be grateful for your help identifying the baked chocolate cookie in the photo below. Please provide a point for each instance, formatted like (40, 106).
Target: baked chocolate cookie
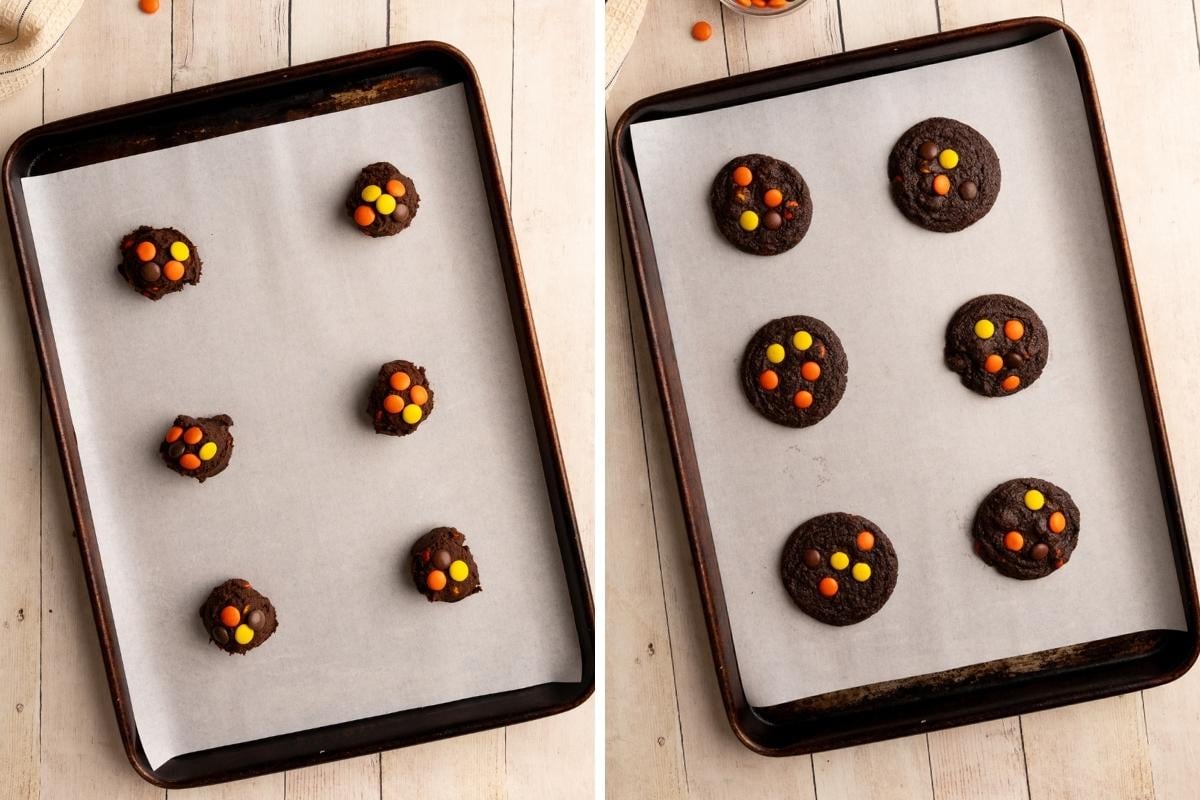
(839, 568)
(158, 261)
(997, 345)
(945, 176)
(761, 204)
(237, 618)
(401, 399)
(1026, 528)
(794, 371)
(443, 568)
(198, 447)
(383, 201)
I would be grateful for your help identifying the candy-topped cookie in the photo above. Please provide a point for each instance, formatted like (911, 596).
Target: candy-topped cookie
(198, 447)
(158, 261)
(1026, 528)
(945, 176)
(238, 618)
(794, 371)
(839, 568)
(443, 568)
(997, 345)
(383, 201)
(761, 204)
(401, 399)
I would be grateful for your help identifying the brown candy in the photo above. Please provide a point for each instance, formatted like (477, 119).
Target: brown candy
(1039, 552)
(967, 190)
(220, 635)
(255, 619)
(401, 212)
(176, 450)
(928, 151)
(441, 560)
(812, 558)
(1015, 360)
(772, 221)
(150, 271)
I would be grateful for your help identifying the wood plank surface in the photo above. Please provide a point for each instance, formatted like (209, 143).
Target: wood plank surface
(1147, 66)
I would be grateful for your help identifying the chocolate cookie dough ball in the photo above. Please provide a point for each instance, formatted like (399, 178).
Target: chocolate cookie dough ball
(401, 399)
(237, 618)
(158, 261)
(761, 204)
(997, 345)
(794, 371)
(198, 447)
(383, 201)
(945, 176)
(443, 568)
(839, 568)
(1026, 528)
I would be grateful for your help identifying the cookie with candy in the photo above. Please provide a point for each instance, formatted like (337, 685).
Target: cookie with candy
(158, 261)
(944, 175)
(1026, 528)
(443, 568)
(761, 204)
(794, 371)
(383, 201)
(198, 447)
(237, 618)
(401, 399)
(997, 344)
(839, 568)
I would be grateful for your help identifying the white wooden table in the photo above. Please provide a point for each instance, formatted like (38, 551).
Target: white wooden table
(58, 736)
(666, 731)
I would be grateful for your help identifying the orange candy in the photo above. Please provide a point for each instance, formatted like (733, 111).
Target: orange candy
(865, 540)
(364, 216)
(810, 371)
(1010, 383)
(827, 587)
(230, 616)
(146, 251)
(773, 197)
(189, 461)
(1014, 541)
(702, 31)
(400, 381)
(419, 395)
(1058, 522)
(192, 435)
(1013, 329)
(993, 363)
(393, 404)
(173, 433)
(768, 380)
(742, 176)
(148, 6)
(802, 399)
(436, 580)
(173, 270)
(776, 3)
(941, 185)
(395, 188)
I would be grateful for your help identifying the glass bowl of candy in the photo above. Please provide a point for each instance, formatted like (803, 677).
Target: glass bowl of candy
(763, 8)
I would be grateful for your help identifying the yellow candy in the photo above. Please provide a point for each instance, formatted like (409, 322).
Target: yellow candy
(371, 193)
(861, 571)
(802, 340)
(207, 451)
(459, 571)
(748, 220)
(948, 159)
(386, 204)
(775, 353)
(411, 413)
(984, 329)
(180, 251)
(1034, 500)
(839, 560)
(243, 634)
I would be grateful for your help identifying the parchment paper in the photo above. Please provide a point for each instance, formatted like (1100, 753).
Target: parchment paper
(286, 331)
(909, 447)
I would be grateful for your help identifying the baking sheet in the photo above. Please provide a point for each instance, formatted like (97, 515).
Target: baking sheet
(286, 331)
(909, 447)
